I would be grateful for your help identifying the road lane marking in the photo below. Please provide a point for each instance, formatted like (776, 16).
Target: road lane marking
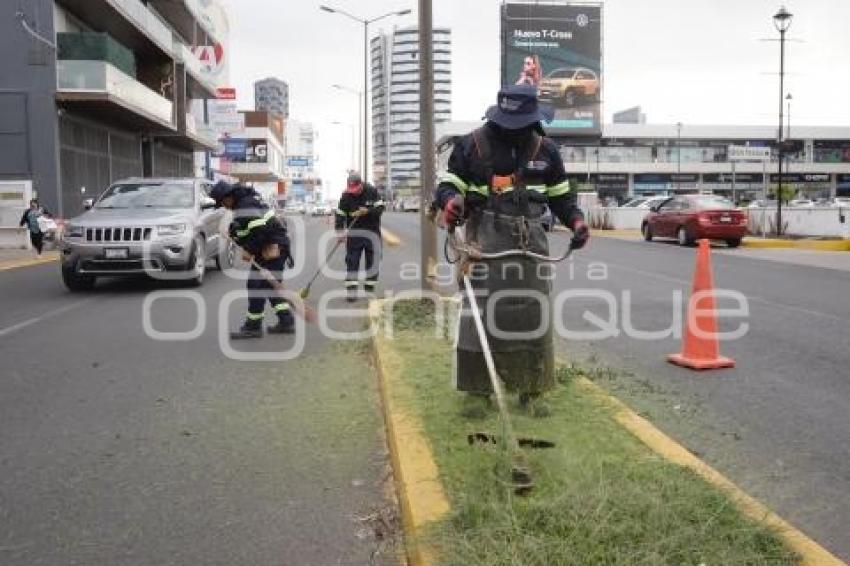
(35, 320)
(27, 262)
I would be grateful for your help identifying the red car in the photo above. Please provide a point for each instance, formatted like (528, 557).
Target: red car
(692, 217)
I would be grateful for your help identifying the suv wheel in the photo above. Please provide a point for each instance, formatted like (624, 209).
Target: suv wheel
(734, 242)
(226, 256)
(647, 232)
(77, 282)
(683, 237)
(198, 262)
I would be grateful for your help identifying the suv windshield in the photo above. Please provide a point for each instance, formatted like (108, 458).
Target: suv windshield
(148, 195)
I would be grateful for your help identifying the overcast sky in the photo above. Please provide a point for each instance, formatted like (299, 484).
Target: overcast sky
(694, 61)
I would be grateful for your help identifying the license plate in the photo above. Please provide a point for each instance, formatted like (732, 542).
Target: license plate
(116, 253)
(726, 219)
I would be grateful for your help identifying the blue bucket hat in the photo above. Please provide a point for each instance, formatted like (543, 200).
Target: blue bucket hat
(517, 107)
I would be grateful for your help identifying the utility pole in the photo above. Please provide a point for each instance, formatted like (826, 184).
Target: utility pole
(782, 21)
(427, 158)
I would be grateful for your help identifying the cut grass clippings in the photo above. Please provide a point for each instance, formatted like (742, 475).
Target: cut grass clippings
(600, 496)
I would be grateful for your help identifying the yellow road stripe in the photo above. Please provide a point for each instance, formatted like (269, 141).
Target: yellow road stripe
(817, 245)
(417, 477)
(391, 239)
(811, 552)
(48, 257)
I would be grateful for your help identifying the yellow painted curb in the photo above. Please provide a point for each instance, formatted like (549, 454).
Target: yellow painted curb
(811, 553)
(391, 239)
(48, 257)
(816, 245)
(615, 233)
(417, 480)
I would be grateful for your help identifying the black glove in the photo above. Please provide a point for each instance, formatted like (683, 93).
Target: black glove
(581, 234)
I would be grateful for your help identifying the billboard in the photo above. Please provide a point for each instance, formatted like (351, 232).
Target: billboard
(558, 49)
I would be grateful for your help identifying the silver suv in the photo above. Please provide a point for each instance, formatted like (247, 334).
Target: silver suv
(143, 225)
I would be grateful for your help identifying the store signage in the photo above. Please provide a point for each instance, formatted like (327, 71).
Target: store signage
(748, 153)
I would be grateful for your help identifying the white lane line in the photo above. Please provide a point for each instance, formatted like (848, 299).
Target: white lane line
(21, 325)
(752, 298)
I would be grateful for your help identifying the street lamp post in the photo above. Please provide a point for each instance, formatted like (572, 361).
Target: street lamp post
(788, 99)
(678, 157)
(365, 23)
(782, 21)
(353, 142)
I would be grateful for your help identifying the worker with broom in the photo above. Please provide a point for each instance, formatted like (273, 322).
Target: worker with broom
(264, 241)
(358, 222)
(500, 179)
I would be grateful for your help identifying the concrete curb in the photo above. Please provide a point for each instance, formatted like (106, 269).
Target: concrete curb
(811, 553)
(417, 480)
(814, 245)
(48, 257)
(424, 501)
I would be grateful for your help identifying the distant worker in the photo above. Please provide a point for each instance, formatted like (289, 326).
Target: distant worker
(263, 238)
(30, 220)
(358, 221)
(500, 179)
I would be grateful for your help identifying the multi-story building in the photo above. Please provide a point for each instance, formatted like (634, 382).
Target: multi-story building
(658, 159)
(395, 104)
(255, 155)
(302, 180)
(95, 90)
(272, 95)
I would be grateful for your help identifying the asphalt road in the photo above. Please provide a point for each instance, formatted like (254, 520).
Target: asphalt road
(777, 424)
(117, 448)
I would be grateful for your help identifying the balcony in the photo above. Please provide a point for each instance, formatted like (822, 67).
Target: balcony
(109, 94)
(128, 21)
(203, 136)
(188, 17)
(200, 82)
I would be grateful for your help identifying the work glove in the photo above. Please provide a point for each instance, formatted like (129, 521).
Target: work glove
(581, 234)
(362, 211)
(453, 211)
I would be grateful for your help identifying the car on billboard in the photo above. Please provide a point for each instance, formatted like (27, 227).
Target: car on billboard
(569, 86)
(688, 218)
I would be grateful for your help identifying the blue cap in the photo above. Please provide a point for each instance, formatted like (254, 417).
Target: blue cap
(517, 107)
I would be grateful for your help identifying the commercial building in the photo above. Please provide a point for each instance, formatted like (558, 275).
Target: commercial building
(654, 159)
(255, 154)
(395, 104)
(302, 181)
(95, 90)
(272, 95)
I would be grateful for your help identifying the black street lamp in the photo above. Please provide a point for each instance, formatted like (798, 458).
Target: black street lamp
(782, 21)
(365, 23)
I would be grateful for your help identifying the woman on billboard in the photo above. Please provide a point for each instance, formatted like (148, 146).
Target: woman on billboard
(531, 71)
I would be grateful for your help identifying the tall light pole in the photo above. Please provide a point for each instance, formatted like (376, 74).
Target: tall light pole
(678, 156)
(353, 142)
(360, 119)
(365, 23)
(788, 99)
(782, 21)
(427, 158)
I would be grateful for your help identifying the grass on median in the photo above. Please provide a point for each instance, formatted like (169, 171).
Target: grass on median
(601, 496)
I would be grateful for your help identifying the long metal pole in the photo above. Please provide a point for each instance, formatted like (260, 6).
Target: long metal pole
(365, 101)
(781, 106)
(427, 159)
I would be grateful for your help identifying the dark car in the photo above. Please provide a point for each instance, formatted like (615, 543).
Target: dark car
(689, 218)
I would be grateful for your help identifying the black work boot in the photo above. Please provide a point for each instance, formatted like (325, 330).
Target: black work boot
(351, 292)
(247, 331)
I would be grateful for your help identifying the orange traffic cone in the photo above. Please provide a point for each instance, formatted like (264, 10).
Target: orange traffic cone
(700, 348)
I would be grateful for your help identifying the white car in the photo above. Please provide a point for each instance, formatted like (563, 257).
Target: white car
(322, 209)
(410, 204)
(645, 202)
(843, 202)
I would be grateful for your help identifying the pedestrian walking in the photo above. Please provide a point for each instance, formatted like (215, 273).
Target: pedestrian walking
(30, 220)
(358, 222)
(263, 239)
(500, 179)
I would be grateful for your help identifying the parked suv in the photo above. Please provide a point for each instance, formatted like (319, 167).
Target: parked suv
(568, 86)
(145, 226)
